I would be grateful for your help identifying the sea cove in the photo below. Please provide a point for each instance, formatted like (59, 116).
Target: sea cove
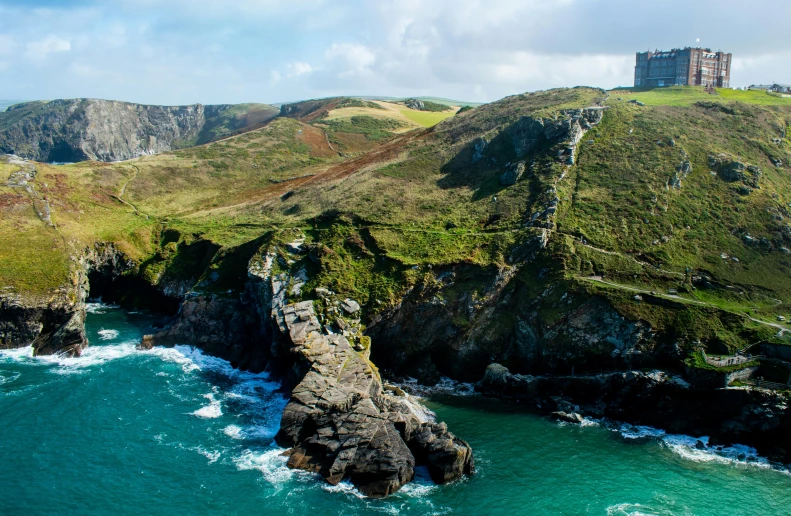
(172, 431)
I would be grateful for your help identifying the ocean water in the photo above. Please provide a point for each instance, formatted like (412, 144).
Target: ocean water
(4, 103)
(171, 431)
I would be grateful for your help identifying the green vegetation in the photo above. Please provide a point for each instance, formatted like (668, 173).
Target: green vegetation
(688, 95)
(386, 209)
(426, 118)
(360, 103)
(433, 106)
(697, 361)
(375, 129)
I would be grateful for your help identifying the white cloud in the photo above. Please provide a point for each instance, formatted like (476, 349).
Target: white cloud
(40, 49)
(349, 59)
(298, 68)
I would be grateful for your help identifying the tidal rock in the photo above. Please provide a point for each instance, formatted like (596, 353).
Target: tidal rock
(568, 417)
(341, 423)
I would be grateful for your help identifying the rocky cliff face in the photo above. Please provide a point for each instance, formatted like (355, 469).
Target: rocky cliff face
(103, 130)
(57, 325)
(342, 421)
(658, 399)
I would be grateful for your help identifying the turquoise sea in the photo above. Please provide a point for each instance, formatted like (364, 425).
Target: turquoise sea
(171, 431)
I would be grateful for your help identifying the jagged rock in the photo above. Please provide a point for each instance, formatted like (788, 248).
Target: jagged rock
(569, 417)
(147, 342)
(340, 422)
(733, 171)
(415, 104)
(350, 306)
(513, 171)
(478, 149)
(103, 130)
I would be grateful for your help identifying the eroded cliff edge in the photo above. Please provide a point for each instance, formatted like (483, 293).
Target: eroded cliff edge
(71, 130)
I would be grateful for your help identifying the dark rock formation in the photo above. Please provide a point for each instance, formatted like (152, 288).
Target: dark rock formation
(225, 326)
(50, 327)
(513, 171)
(57, 324)
(340, 421)
(730, 416)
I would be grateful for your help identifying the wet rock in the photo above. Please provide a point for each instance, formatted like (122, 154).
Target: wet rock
(341, 423)
(568, 417)
(147, 342)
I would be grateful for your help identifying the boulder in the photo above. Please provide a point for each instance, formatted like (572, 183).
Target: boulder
(350, 306)
(415, 104)
(733, 171)
(513, 171)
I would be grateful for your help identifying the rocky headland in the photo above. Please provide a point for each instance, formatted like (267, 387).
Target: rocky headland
(74, 130)
(528, 245)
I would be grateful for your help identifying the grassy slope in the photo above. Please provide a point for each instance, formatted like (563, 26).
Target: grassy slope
(418, 199)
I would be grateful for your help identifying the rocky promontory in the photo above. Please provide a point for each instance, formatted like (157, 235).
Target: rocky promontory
(342, 422)
(73, 130)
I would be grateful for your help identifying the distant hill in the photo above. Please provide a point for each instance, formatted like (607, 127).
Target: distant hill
(105, 130)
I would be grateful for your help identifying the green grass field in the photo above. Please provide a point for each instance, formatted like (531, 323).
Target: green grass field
(427, 118)
(687, 95)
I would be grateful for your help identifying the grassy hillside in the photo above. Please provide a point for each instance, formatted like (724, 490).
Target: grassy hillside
(650, 205)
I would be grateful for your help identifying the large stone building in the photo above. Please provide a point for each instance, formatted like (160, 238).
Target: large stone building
(683, 67)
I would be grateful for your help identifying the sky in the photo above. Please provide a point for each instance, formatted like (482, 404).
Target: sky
(230, 51)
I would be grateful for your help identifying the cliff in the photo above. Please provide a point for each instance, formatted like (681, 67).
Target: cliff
(557, 233)
(104, 130)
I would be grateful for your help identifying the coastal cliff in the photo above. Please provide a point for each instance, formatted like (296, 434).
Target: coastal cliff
(104, 130)
(558, 234)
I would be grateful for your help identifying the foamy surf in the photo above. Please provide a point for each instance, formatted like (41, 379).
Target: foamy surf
(445, 386)
(636, 509)
(108, 334)
(98, 307)
(270, 463)
(698, 449)
(211, 411)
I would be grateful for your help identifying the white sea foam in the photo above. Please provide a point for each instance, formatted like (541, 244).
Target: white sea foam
(233, 431)
(586, 421)
(98, 307)
(640, 432)
(212, 455)
(8, 377)
(445, 386)
(17, 354)
(697, 449)
(270, 462)
(345, 487)
(211, 411)
(636, 509)
(108, 334)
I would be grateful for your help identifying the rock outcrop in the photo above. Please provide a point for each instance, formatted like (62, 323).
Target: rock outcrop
(658, 399)
(104, 130)
(342, 422)
(513, 171)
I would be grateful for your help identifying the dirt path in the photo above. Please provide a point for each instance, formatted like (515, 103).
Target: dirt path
(599, 279)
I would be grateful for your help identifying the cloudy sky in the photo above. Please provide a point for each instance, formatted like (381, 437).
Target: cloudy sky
(226, 51)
